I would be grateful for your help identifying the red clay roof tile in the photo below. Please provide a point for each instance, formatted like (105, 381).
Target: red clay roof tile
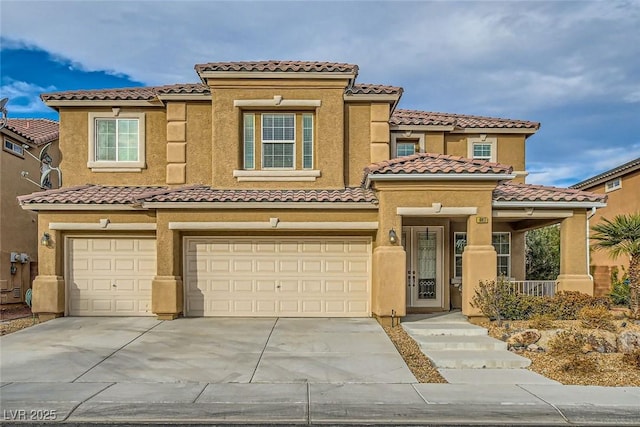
(126, 94)
(426, 118)
(279, 66)
(38, 131)
(428, 163)
(97, 194)
(516, 192)
(373, 89)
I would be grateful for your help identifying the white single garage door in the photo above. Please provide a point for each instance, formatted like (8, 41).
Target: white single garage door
(294, 277)
(110, 277)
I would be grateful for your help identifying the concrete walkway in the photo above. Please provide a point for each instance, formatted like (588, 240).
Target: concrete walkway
(315, 371)
(464, 353)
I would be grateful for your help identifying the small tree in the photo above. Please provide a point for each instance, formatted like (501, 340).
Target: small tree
(543, 253)
(621, 236)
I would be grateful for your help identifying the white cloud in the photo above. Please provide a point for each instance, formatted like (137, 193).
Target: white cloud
(24, 97)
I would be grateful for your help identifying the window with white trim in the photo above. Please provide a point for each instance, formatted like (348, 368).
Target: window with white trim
(482, 147)
(481, 151)
(405, 148)
(284, 141)
(612, 185)
(501, 241)
(13, 148)
(116, 141)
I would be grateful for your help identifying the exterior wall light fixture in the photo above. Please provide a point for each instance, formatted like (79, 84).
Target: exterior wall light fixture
(46, 239)
(393, 237)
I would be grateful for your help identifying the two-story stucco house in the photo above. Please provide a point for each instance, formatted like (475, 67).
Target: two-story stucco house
(622, 187)
(283, 188)
(21, 138)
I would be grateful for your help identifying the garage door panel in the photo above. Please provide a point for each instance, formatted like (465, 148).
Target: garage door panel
(110, 277)
(278, 276)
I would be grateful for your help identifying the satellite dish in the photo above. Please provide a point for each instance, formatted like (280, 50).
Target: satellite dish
(44, 157)
(45, 181)
(3, 112)
(3, 104)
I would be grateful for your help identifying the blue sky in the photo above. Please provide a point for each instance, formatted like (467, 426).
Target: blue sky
(572, 65)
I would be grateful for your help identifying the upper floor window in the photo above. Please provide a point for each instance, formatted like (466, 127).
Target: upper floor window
(405, 148)
(285, 141)
(482, 151)
(614, 184)
(482, 148)
(116, 142)
(13, 148)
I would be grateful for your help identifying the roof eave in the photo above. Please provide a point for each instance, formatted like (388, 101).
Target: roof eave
(502, 130)
(547, 204)
(599, 179)
(260, 205)
(80, 206)
(438, 177)
(53, 103)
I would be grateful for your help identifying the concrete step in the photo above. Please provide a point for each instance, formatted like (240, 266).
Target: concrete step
(431, 329)
(494, 376)
(476, 359)
(455, 342)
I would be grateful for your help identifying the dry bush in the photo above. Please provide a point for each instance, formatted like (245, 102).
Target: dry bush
(596, 317)
(542, 321)
(582, 363)
(632, 359)
(568, 343)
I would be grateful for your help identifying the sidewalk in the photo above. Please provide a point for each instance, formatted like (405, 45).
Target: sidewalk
(316, 403)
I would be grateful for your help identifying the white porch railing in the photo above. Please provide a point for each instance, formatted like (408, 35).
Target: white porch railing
(538, 288)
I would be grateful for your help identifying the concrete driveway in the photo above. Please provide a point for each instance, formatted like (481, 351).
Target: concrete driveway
(202, 350)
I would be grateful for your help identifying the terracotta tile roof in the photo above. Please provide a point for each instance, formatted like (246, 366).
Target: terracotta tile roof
(368, 89)
(207, 194)
(279, 66)
(38, 131)
(428, 163)
(98, 194)
(413, 117)
(183, 88)
(626, 168)
(516, 192)
(126, 94)
(88, 194)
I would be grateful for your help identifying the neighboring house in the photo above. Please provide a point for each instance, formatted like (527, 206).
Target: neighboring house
(19, 228)
(287, 189)
(622, 187)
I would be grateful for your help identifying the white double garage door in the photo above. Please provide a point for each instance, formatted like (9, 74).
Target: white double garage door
(288, 276)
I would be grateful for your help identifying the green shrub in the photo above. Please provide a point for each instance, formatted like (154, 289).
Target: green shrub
(598, 317)
(565, 305)
(620, 289)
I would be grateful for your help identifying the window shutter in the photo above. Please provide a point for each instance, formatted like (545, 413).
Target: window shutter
(249, 141)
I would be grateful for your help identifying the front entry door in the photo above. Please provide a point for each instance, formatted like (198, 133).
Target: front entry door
(424, 265)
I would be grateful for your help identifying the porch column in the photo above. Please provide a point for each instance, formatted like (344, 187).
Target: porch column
(48, 289)
(166, 287)
(574, 271)
(388, 294)
(479, 259)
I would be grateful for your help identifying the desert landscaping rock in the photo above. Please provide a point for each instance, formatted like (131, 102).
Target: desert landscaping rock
(628, 342)
(524, 338)
(602, 342)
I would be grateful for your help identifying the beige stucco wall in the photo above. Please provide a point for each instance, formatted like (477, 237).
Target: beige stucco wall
(357, 142)
(74, 143)
(18, 228)
(511, 147)
(622, 201)
(328, 128)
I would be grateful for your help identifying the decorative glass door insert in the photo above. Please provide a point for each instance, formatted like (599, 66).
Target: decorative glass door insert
(424, 265)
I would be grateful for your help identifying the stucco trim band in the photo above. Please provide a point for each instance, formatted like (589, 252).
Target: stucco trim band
(370, 97)
(438, 177)
(277, 101)
(437, 210)
(260, 205)
(526, 131)
(275, 175)
(539, 204)
(99, 227)
(269, 225)
(275, 74)
(531, 213)
(433, 128)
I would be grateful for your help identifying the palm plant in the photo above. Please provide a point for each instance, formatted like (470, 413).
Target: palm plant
(621, 236)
